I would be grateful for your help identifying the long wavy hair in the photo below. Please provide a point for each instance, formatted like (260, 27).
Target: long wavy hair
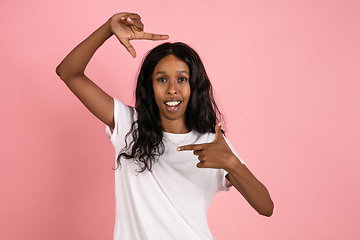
(201, 113)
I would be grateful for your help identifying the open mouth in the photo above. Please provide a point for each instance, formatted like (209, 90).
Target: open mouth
(172, 106)
(172, 103)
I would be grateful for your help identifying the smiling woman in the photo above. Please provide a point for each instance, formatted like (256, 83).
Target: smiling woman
(172, 93)
(171, 73)
(174, 105)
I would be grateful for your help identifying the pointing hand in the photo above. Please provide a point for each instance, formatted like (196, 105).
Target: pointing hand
(216, 154)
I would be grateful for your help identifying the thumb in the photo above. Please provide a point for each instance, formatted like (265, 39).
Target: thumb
(126, 43)
(218, 132)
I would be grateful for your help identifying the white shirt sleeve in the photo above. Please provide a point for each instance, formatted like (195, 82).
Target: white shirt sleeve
(226, 183)
(124, 116)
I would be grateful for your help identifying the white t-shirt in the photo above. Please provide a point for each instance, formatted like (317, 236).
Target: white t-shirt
(171, 201)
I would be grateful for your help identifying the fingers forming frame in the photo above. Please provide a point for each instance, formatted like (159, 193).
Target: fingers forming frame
(134, 20)
(155, 37)
(131, 22)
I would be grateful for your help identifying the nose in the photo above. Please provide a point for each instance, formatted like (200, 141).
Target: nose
(172, 89)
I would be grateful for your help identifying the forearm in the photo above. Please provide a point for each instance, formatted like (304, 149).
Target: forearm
(252, 189)
(75, 62)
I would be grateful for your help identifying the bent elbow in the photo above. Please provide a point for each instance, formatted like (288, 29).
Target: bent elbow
(58, 71)
(67, 74)
(267, 213)
(268, 210)
(64, 74)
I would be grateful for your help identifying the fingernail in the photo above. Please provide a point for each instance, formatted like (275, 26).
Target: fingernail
(129, 19)
(219, 124)
(178, 149)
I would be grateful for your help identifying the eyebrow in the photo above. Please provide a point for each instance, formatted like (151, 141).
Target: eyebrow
(164, 72)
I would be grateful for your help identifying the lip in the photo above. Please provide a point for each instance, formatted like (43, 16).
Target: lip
(175, 108)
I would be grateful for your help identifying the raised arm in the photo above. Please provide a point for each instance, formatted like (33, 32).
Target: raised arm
(126, 27)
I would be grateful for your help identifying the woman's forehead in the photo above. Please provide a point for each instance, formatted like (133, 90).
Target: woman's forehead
(171, 64)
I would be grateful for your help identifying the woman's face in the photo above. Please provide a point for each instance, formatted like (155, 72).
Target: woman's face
(172, 91)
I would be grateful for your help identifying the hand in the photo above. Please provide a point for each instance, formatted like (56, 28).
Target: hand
(216, 154)
(128, 26)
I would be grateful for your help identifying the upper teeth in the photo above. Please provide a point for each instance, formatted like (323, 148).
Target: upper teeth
(172, 104)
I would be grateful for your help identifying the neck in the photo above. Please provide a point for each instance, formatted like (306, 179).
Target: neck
(174, 126)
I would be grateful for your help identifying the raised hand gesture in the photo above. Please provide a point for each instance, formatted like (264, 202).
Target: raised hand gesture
(128, 26)
(216, 154)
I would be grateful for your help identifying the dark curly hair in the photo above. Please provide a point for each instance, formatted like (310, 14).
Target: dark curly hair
(147, 133)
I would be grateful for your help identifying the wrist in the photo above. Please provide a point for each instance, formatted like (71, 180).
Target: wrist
(108, 27)
(233, 163)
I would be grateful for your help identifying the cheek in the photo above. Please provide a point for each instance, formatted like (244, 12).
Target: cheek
(158, 98)
(156, 92)
(187, 92)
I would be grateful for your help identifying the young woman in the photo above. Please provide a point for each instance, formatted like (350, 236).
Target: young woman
(171, 154)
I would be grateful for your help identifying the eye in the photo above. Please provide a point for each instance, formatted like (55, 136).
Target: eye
(162, 79)
(182, 79)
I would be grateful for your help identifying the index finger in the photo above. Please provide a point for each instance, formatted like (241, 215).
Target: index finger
(153, 36)
(191, 147)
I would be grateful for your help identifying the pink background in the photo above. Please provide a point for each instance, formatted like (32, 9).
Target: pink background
(286, 75)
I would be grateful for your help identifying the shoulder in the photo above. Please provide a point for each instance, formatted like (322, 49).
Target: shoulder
(124, 116)
(123, 113)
